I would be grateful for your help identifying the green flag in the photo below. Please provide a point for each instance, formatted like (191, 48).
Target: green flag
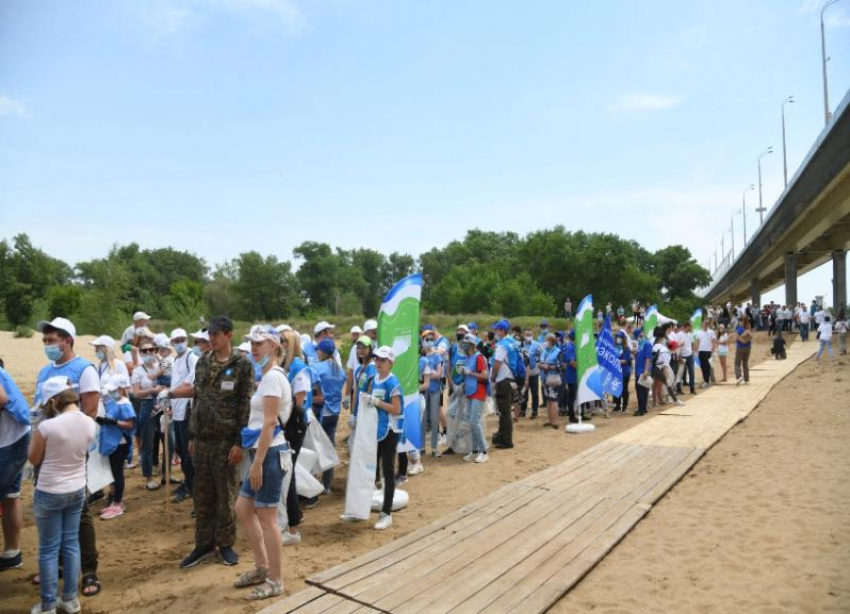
(588, 367)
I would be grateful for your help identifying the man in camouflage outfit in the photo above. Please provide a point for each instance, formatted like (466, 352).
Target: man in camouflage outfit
(224, 383)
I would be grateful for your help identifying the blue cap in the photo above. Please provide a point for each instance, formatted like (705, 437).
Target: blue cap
(327, 347)
(428, 327)
(560, 334)
(472, 326)
(572, 334)
(544, 322)
(638, 332)
(502, 325)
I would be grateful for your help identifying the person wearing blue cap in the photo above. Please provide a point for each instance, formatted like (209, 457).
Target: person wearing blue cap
(331, 378)
(621, 402)
(643, 365)
(503, 378)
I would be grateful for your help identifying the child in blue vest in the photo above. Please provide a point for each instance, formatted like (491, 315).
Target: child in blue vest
(385, 395)
(116, 426)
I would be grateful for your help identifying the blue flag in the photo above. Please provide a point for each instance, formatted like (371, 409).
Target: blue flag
(608, 357)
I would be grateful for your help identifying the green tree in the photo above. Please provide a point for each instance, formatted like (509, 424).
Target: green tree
(678, 273)
(265, 288)
(64, 301)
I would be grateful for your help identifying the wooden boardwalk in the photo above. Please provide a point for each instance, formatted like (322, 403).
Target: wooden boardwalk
(521, 548)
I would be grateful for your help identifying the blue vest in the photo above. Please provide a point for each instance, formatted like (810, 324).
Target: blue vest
(362, 377)
(17, 405)
(533, 354)
(332, 379)
(385, 391)
(470, 384)
(295, 367)
(455, 358)
(111, 435)
(434, 361)
(73, 370)
(512, 348)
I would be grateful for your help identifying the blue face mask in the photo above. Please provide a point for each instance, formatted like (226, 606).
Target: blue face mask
(180, 348)
(53, 352)
(101, 356)
(427, 344)
(196, 351)
(260, 364)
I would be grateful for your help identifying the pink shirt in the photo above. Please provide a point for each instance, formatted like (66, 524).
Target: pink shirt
(68, 437)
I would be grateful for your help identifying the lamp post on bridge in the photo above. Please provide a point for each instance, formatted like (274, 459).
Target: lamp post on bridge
(744, 209)
(762, 208)
(732, 232)
(826, 114)
(784, 156)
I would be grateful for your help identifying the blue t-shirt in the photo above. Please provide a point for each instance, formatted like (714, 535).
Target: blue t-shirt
(626, 354)
(331, 378)
(644, 353)
(111, 436)
(738, 344)
(571, 374)
(434, 361)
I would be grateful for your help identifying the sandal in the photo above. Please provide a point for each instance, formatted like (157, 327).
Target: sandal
(91, 585)
(269, 588)
(252, 577)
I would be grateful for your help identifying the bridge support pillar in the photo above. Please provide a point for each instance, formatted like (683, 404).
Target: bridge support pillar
(755, 294)
(839, 281)
(790, 280)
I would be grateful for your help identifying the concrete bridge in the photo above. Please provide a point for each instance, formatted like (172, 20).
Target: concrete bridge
(809, 225)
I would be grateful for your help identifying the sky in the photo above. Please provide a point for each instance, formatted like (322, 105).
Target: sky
(223, 126)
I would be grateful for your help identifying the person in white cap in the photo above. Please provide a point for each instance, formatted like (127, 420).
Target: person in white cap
(140, 321)
(201, 340)
(114, 439)
(386, 396)
(350, 366)
(146, 388)
(262, 489)
(323, 330)
(370, 329)
(107, 365)
(59, 446)
(58, 337)
(180, 392)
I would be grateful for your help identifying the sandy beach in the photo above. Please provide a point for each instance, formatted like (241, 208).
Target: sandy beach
(140, 551)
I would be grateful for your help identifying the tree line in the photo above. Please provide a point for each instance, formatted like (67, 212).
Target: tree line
(486, 272)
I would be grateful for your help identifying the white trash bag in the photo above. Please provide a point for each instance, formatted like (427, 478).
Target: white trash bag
(316, 440)
(400, 500)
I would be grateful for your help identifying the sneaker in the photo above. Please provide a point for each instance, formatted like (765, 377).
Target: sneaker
(504, 446)
(13, 562)
(385, 521)
(416, 468)
(436, 454)
(130, 465)
(327, 491)
(310, 503)
(400, 479)
(152, 485)
(482, 457)
(181, 495)
(740, 379)
(36, 609)
(680, 402)
(198, 555)
(291, 539)
(228, 555)
(113, 511)
(443, 441)
(470, 457)
(71, 606)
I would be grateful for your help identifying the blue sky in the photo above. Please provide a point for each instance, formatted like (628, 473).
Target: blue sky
(220, 126)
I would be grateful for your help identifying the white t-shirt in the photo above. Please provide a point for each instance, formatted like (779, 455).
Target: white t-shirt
(274, 384)
(104, 372)
(10, 429)
(841, 327)
(805, 317)
(686, 344)
(140, 377)
(68, 438)
(501, 355)
(825, 331)
(705, 339)
(128, 335)
(301, 383)
(182, 372)
(819, 317)
(352, 359)
(663, 353)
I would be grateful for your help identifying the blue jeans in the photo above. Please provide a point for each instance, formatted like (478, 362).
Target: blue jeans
(825, 344)
(476, 408)
(804, 331)
(147, 431)
(269, 493)
(12, 460)
(329, 426)
(58, 520)
(431, 420)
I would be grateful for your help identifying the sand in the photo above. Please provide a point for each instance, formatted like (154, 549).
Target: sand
(140, 551)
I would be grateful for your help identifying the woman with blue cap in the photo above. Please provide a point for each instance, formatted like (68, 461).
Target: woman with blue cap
(332, 380)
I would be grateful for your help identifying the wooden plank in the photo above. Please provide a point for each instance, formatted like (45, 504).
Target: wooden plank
(565, 578)
(435, 563)
(435, 541)
(293, 602)
(592, 454)
(320, 605)
(486, 573)
(505, 493)
(521, 582)
(622, 484)
(673, 476)
(589, 475)
(656, 474)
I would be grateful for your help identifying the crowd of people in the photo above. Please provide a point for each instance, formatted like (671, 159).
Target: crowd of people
(233, 418)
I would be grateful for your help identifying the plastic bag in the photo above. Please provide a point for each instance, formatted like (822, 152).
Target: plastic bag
(98, 472)
(362, 466)
(317, 441)
(308, 460)
(305, 484)
(458, 433)
(400, 500)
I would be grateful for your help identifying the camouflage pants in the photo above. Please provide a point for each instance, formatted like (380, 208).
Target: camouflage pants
(214, 493)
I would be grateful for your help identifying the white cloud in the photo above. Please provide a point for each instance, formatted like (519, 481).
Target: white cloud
(10, 106)
(638, 102)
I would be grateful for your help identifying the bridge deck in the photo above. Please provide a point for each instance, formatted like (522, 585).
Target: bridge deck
(525, 545)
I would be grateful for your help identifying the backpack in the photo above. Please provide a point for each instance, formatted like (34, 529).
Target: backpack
(515, 362)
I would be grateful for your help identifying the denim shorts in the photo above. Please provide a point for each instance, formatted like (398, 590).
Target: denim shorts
(269, 493)
(12, 460)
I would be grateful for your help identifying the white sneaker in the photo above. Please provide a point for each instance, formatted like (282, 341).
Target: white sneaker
(443, 440)
(470, 457)
(416, 468)
(291, 539)
(70, 607)
(740, 379)
(385, 521)
(482, 457)
(152, 485)
(680, 402)
(36, 609)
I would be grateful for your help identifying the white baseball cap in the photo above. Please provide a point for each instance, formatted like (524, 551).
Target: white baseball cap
(105, 341)
(245, 346)
(282, 328)
(63, 324)
(370, 325)
(140, 315)
(463, 327)
(178, 333)
(385, 351)
(161, 340)
(321, 326)
(119, 380)
(262, 332)
(53, 386)
(202, 335)
(356, 330)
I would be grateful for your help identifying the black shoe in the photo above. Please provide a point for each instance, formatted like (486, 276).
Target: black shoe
(504, 446)
(496, 440)
(228, 555)
(639, 413)
(11, 563)
(182, 494)
(448, 451)
(95, 496)
(310, 503)
(534, 416)
(198, 555)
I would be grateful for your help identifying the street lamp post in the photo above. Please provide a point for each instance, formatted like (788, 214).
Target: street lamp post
(784, 157)
(824, 60)
(761, 208)
(744, 209)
